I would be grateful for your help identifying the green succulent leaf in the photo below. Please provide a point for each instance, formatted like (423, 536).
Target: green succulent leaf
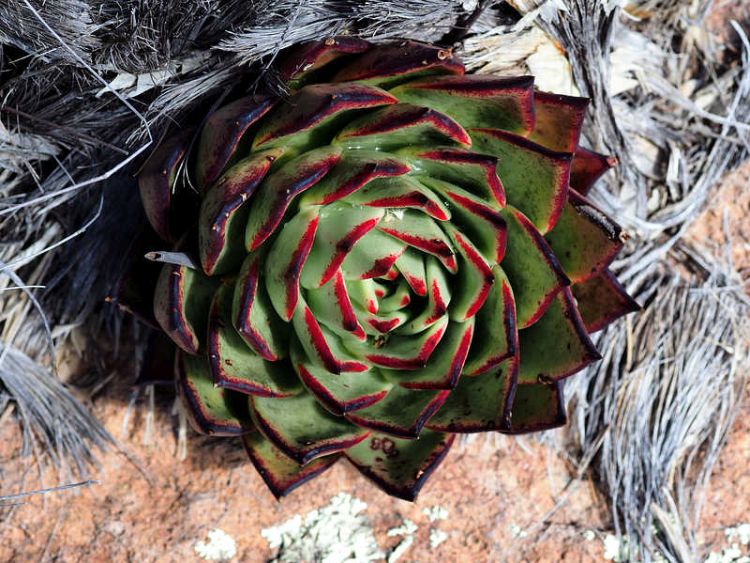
(535, 179)
(400, 467)
(181, 301)
(481, 403)
(537, 407)
(303, 429)
(237, 367)
(557, 345)
(210, 409)
(281, 473)
(476, 101)
(601, 300)
(558, 121)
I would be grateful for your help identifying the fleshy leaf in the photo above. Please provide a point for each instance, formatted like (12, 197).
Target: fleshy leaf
(181, 301)
(477, 100)
(403, 412)
(362, 292)
(479, 404)
(332, 306)
(340, 227)
(397, 299)
(474, 172)
(160, 197)
(221, 136)
(537, 407)
(557, 345)
(438, 299)
(480, 222)
(601, 300)
(421, 232)
(210, 409)
(558, 121)
(390, 64)
(286, 258)
(340, 393)
(321, 345)
(276, 193)
(353, 171)
(585, 240)
(372, 256)
(300, 63)
(534, 273)
(302, 429)
(411, 266)
(401, 125)
(445, 364)
(535, 178)
(253, 315)
(496, 335)
(401, 192)
(311, 115)
(281, 473)
(223, 215)
(475, 278)
(405, 352)
(400, 467)
(588, 166)
(236, 366)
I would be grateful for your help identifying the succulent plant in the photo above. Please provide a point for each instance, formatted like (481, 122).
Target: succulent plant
(393, 253)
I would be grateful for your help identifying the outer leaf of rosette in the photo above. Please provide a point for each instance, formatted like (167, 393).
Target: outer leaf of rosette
(476, 100)
(445, 364)
(223, 214)
(393, 63)
(535, 178)
(286, 258)
(475, 278)
(404, 352)
(321, 345)
(276, 193)
(474, 172)
(299, 64)
(210, 409)
(331, 305)
(403, 412)
(601, 300)
(339, 229)
(222, 133)
(557, 345)
(237, 367)
(537, 407)
(401, 125)
(419, 231)
(559, 120)
(480, 404)
(534, 273)
(311, 115)
(160, 196)
(438, 299)
(585, 240)
(353, 171)
(181, 301)
(495, 333)
(253, 315)
(481, 222)
(340, 393)
(402, 192)
(280, 472)
(400, 467)
(301, 428)
(588, 167)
